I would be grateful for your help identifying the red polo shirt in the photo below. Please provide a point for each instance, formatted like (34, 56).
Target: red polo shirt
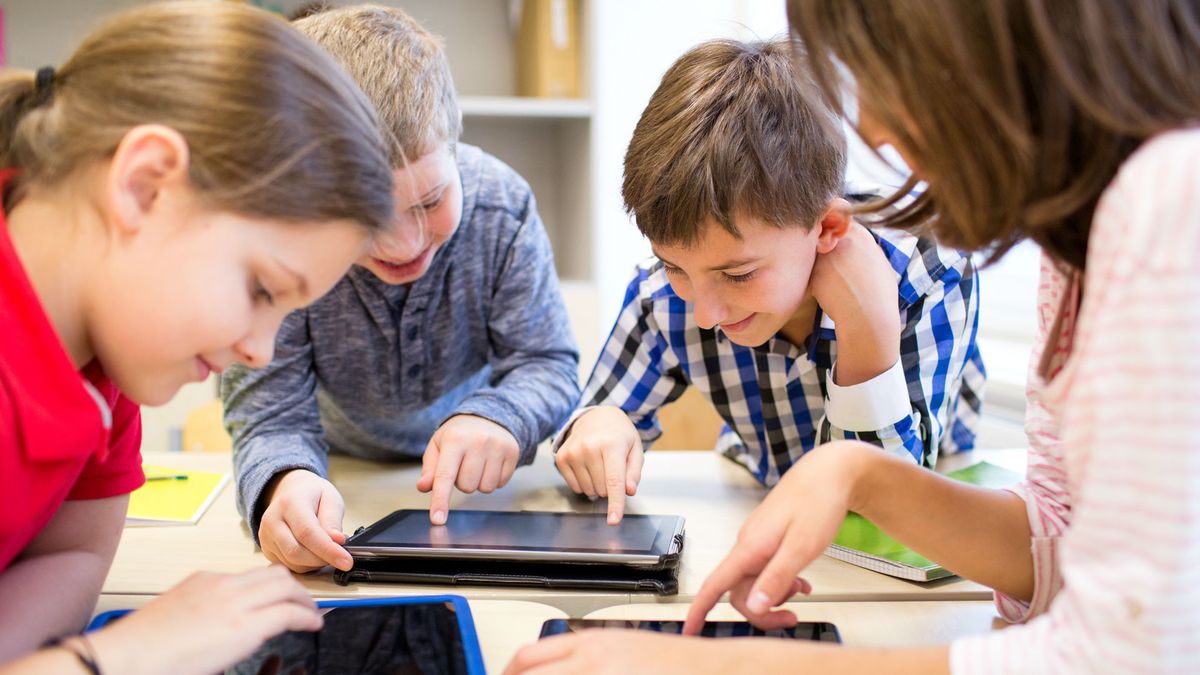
(64, 434)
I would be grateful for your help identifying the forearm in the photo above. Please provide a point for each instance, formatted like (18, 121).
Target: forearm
(979, 533)
(260, 459)
(865, 349)
(782, 657)
(48, 596)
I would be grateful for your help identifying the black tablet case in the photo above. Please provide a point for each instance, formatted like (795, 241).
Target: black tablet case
(663, 580)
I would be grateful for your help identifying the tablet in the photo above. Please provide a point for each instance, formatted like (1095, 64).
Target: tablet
(805, 630)
(639, 540)
(430, 635)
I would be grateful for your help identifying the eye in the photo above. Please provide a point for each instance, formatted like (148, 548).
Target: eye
(671, 269)
(739, 278)
(429, 206)
(261, 294)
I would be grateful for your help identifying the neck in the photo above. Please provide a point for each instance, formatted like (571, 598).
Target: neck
(51, 241)
(799, 327)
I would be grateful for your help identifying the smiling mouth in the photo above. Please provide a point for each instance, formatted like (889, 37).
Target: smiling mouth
(405, 267)
(738, 325)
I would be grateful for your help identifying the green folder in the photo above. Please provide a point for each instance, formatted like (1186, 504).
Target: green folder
(860, 542)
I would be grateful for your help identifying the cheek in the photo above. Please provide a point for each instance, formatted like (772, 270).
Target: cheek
(443, 224)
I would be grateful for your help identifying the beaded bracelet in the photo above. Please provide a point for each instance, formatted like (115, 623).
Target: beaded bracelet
(81, 647)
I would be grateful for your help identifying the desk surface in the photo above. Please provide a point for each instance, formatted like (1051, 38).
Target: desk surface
(712, 493)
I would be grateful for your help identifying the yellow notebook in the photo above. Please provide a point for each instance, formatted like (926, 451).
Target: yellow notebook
(173, 496)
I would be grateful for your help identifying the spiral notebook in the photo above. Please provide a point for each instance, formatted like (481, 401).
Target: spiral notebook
(173, 496)
(860, 542)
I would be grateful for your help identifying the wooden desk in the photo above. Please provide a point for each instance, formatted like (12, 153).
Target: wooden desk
(504, 626)
(861, 624)
(712, 493)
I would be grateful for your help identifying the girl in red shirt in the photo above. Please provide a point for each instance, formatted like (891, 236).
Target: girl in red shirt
(193, 173)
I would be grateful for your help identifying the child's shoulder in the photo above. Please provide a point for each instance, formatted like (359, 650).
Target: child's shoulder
(920, 263)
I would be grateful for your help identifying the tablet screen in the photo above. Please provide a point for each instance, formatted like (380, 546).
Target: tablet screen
(416, 639)
(502, 530)
(805, 630)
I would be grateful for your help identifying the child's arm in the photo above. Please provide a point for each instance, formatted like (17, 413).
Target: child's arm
(635, 375)
(534, 364)
(272, 415)
(280, 457)
(208, 622)
(52, 587)
(981, 534)
(898, 378)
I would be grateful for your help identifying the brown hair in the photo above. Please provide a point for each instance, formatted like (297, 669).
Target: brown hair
(403, 70)
(274, 127)
(1018, 113)
(731, 132)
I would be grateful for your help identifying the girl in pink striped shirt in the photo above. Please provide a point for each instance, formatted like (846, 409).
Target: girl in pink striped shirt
(1076, 124)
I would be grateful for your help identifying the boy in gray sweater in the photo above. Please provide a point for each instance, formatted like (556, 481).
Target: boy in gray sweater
(448, 341)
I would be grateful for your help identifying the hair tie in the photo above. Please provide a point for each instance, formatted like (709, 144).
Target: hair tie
(43, 83)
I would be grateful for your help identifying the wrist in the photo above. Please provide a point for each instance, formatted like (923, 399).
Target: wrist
(861, 465)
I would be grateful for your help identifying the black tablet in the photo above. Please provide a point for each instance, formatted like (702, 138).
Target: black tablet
(805, 630)
(537, 536)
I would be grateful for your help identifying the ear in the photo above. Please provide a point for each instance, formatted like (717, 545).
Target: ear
(149, 160)
(834, 225)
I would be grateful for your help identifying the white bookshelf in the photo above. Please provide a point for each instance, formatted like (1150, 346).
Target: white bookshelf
(522, 107)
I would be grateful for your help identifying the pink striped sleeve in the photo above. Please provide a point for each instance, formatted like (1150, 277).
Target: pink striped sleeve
(1128, 403)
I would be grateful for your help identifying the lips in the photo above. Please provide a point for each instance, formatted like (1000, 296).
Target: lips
(203, 369)
(407, 269)
(738, 326)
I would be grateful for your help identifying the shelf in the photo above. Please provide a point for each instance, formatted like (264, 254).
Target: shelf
(518, 107)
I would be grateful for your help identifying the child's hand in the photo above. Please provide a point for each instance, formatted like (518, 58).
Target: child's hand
(302, 524)
(794, 524)
(602, 457)
(629, 651)
(856, 286)
(468, 451)
(208, 622)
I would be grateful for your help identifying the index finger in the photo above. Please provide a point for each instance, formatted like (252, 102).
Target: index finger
(443, 484)
(727, 573)
(614, 479)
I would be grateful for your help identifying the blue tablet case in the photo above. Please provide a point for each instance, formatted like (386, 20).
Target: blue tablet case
(462, 610)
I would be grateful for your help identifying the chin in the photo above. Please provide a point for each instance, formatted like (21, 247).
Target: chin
(149, 393)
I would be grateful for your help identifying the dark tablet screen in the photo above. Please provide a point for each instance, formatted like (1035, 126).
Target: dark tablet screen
(410, 639)
(530, 531)
(805, 630)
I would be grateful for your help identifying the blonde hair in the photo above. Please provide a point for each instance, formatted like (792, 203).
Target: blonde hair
(401, 67)
(1018, 112)
(730, 132)
(274, 127)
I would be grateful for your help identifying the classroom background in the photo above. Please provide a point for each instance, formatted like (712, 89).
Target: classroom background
(566, 130)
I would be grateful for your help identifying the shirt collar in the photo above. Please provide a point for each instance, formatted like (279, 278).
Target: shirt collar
(58, 414)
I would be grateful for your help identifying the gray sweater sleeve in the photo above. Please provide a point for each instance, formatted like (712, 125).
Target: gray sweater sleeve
(273, 418)
(534, 357)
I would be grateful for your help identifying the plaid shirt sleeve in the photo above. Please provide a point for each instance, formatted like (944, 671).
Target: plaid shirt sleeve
(940, 373)
(636, 371)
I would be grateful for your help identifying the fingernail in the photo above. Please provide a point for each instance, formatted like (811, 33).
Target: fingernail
(439, 517)
(613, 517)
(758, 602)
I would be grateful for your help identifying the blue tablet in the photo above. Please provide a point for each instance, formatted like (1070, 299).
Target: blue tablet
(428, 634)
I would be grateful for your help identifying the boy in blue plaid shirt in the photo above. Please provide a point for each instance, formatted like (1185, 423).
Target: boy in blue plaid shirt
(766, 294)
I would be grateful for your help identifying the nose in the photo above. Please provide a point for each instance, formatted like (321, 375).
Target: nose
(708, 309)
(403, 241)
(257, 348)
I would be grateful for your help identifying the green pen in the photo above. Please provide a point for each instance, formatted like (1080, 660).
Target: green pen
(167, 476)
